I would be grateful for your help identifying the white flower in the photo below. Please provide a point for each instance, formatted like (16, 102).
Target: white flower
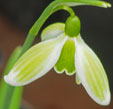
(66, 54)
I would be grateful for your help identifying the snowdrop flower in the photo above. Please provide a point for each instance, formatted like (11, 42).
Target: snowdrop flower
(63, 49)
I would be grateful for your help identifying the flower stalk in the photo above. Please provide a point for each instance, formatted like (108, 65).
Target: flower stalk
(10, 96)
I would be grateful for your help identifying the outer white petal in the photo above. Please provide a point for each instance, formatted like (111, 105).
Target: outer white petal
(36, 62)
(91, 73)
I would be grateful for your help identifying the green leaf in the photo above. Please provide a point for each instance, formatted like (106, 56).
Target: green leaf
(36, 62)
(91, 73)
(66, 61)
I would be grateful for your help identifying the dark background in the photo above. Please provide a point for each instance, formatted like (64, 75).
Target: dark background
(17, 16)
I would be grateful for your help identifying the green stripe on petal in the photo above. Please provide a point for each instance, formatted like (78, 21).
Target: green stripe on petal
(36, 62)
(52, 31)
(66, 61)
(91, 73)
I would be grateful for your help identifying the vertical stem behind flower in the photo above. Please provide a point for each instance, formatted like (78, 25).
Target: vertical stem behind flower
(9, 95)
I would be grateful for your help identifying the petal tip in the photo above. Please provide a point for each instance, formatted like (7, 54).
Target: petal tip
(12, 79)
(107, 100)
(9, 80)
(12, 82)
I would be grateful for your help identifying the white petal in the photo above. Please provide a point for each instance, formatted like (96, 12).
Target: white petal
(52, 31)
(36, 62)
(91, 73)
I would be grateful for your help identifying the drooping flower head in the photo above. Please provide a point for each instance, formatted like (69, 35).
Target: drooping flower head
(63, 49)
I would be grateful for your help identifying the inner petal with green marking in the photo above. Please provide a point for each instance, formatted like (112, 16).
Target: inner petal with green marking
(66, 61)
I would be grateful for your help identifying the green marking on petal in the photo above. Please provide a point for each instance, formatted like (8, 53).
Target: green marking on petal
(66, 60)
(36, 62)
(52, 31)
(91, 73)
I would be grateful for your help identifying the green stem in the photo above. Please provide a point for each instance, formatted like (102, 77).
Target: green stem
(52, 8)
(10, 95)
(66, 8)
(38, 24)
(16, 98)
